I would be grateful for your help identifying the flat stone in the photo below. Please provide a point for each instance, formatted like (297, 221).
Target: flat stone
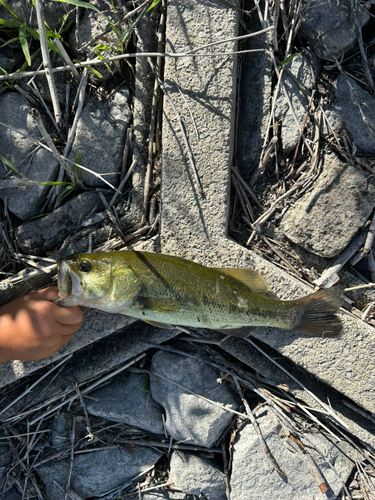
(104, 124)
(25, 202)
(326, 218)
(43, 234)
(349, 419)
(96, 472)
(304, 69)
(196, 475)
(209, 87)
(127, 399)
(328, 27)
(189, 418)
(254, 477)
(345, 113)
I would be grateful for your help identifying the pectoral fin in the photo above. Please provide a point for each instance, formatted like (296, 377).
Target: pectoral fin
(252, 279)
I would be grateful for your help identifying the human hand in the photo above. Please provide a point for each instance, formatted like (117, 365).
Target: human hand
(33, 327)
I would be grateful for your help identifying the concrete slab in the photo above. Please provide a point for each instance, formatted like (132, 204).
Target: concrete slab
(196, 228)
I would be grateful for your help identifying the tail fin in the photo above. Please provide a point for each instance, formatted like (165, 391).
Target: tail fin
(315, 314)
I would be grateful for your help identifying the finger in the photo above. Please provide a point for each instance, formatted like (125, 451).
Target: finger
(50, 293)
(68, 315)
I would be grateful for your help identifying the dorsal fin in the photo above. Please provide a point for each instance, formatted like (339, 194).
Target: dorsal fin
(252, 279)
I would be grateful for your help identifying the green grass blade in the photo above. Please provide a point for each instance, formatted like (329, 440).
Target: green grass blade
(24, 44)
(10, 165)
(154, 4)
(6, 6)
(35, 34)
(65, 193)
(10, 24)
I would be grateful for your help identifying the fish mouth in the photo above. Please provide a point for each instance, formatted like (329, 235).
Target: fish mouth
(69, 284)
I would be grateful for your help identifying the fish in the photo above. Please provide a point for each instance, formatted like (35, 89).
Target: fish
(169, 291)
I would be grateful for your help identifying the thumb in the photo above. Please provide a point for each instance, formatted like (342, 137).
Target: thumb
(50, 293)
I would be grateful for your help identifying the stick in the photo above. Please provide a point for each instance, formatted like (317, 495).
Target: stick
(368, 243)
(296, 445)
(262, 441)
(122, 184)
(151, 135)
(47, 61)
(247, 187)
(193, 52)
(39, 122)
(71, 462)
(66, 58)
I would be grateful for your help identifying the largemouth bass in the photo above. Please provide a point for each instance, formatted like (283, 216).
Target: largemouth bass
(164, 290)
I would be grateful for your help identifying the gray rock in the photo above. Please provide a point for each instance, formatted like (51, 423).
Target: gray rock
(12, 494)
(195, 475)
(61, 428)
(103, 124)
(328, 27)
(40, 235)
(254, 477)
(5, 460)
(189, 418)
(325, 219)
(96, 472)
(34, 163)
(353, 109)
(127, 399)
(304, 68)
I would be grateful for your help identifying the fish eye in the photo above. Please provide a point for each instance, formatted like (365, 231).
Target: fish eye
(85, 266)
